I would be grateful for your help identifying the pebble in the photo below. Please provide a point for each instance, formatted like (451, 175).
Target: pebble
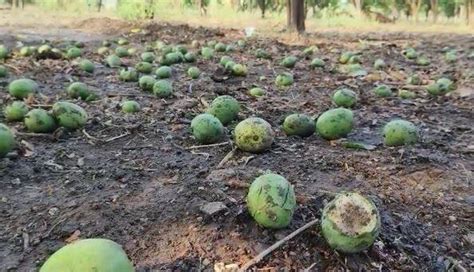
(53, 211)
(452, 218)
(212, 208)
(469, 199)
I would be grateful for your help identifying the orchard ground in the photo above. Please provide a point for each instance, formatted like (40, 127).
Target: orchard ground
(139, 180)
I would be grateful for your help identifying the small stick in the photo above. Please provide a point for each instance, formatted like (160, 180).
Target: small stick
(310, 267)
(89, 136)
(26, 240)
(53, 227)
(27, 134)
(117, 137)
(204, 146)
(45, 106)
(130, 95)
(227, 157)
(12, 67)
(276, 245)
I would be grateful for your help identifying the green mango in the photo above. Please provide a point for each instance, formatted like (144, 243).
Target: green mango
(39, 121)
(146, 83)
(79, 90)
(22, 88)
(130, 106)
(26, 51)
(335, 123)
(207, 129)
(87, 66)
(89, 255)
(261, 53)
(164, 72)
(345, 57)
(410, 53)
(190, 57)
(180, 48)
(379, 64)
(414, 80)
(207, 53)
(400, 132)
(317, 63)
(289, 62)
(148, 57)
(128, 75)
(423, 61)
(271, 201)
(4, 52)
(239, 70)
(171, 58)
(253, 135)
(7, 140)
(16, 111)
(345, 98)
(405, 94)
(194, 72)
(103, 50)
(122, 41)
(382, 91)
(284, 80)
(73, 53)
(3, 71)
(113, 61)
(144, 67)
(69, 115)
(121, 52)
(220, 47)
(224, 60)
(163, 88)
(350, 223)
(257, 92)
(298, 124)
(225, 108)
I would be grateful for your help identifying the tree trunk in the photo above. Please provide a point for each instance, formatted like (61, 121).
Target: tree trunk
(358, 6)
(414, 8)
(467, 8)
(263, 5)
(202, 7)
(99, 5)
(288, 13)
(296, 18)
(434, 10)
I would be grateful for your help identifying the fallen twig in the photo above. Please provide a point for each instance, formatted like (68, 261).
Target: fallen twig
(12, 67)
(227, 157)
(130, 95)
(90, 137)
(310, 267)
(28, 134)
(276, 245)
(201, 153)
(204, 146)
(44, 106)
(53, 227)
(117, 137)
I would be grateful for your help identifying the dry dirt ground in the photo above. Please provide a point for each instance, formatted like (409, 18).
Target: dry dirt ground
(135, 179)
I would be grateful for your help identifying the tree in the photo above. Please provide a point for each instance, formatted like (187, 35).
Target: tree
(262, 4)
(414, 8)
(434, 9)
(99, 5)
(295, 15)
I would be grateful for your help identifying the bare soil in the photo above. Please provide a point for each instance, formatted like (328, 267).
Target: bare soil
(134, 178)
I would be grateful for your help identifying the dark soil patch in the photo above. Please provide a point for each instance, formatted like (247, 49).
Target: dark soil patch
(141, 186)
